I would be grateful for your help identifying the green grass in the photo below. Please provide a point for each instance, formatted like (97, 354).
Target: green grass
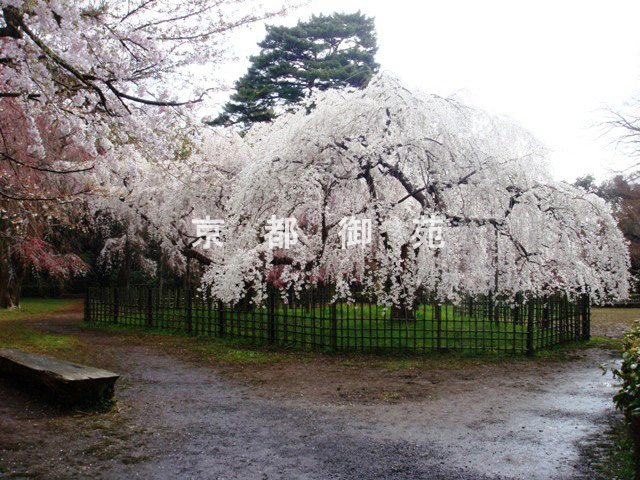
(451, 360)
(242, 352)
(356, 328)
(228, 349)
(31, 307)
(612, 456)
(606, 342)
(17, 332)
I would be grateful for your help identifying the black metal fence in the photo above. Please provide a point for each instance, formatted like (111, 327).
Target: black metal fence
(312, 321)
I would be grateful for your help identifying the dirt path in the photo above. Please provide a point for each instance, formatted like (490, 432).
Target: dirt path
(524, 420)
(312, 420)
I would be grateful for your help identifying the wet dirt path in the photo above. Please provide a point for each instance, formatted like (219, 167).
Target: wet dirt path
(524, 424)
(524, 420)
(180, 419)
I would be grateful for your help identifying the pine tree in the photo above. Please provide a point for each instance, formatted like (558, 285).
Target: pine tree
(334, 51)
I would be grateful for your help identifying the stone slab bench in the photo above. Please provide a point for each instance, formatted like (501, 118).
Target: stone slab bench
(70, 382)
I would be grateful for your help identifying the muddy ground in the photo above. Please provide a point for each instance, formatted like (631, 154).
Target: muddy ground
(181, 415)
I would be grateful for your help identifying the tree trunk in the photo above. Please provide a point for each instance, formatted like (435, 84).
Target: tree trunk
(186, 281)
(124, 274)
(10, 282)
(403, 312)
(160, 272)
(6, 299)
(16, 287)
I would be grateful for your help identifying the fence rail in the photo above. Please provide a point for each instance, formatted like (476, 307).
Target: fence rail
(312, 321)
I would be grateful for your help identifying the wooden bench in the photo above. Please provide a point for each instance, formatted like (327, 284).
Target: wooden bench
(70, 382)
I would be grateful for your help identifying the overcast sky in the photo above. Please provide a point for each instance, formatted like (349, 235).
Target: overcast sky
(551, 65)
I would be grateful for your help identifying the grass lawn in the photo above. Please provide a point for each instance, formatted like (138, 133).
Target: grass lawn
(612, 322)
(16, 330)
(31, 307)
(240, 352)
(348, 327)
(23, 328)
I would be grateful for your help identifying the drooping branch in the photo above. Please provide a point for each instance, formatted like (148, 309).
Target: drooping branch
(89, 80)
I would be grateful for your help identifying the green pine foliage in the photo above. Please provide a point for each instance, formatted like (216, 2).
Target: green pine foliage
(334, 51)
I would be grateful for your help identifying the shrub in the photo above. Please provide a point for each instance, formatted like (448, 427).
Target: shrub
(628, 398)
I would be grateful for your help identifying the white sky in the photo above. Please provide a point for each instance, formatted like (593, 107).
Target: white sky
(552, 65)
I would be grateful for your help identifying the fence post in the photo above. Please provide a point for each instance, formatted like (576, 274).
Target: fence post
(517, 310)
(312, 309)
(586, 317)
(116, 305)
(189, 299)
(437, 309)
(530, 347)
(271, 314)
(563, 318)
(334, 327)
(150, 307)
(221, 328)
(209, 307)
(495, 307)
(87, 305)
(490, 307)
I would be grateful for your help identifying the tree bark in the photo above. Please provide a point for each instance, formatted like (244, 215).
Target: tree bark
(404, 311)
(161, 272)
(124, 274)
(11, 277)
(6, 299)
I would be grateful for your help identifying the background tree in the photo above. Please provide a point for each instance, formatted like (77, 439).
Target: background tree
(624, 189)
(83, 86)
(38, 199)
(624, 195)
(325, 52)
(625, 124)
